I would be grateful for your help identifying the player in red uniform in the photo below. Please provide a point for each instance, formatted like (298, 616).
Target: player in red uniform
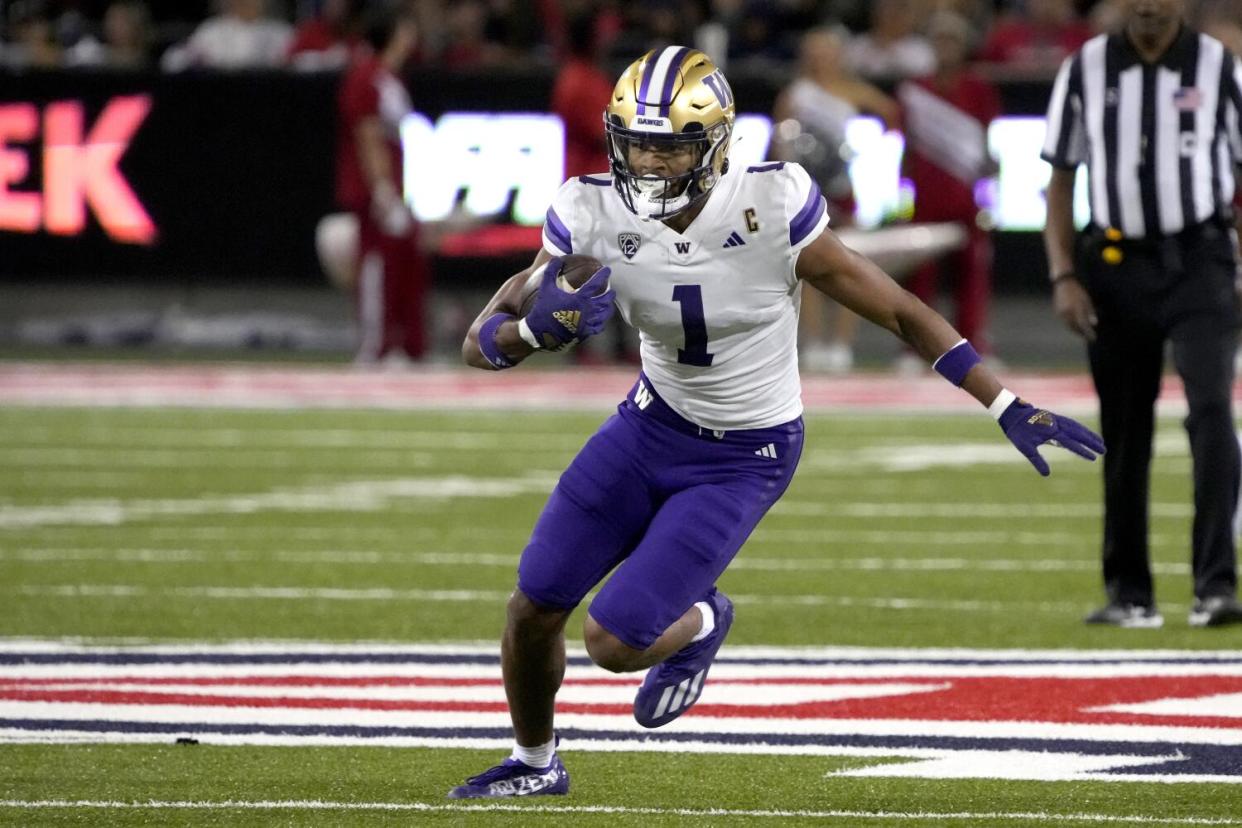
(392, 274)
(946, 117)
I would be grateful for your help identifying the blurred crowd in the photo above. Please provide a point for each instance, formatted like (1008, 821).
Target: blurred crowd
(886, 39)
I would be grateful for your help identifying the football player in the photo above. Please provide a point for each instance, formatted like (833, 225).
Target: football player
(705, 260)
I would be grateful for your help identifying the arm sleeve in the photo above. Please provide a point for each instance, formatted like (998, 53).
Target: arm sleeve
(806, 210)
(558, 236)
(1065, 144)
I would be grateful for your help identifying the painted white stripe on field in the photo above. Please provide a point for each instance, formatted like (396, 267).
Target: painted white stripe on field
(825, 730)
(1228, 705)
(509, 560)
(187, 531)
(722, 670)
(861, 655)
(264, 593)
(133, 458)
(930, 537)
(570, 692)
(639, 744)
(122, 440)
(963, 509)
(352, 496)
(921, 456)
(1010, 764)
(975, 817)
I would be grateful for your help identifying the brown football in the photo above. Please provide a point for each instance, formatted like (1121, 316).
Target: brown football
(576, 270)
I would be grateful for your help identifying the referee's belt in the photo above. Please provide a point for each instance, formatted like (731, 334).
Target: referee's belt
(1111, 247)
(1194, 233)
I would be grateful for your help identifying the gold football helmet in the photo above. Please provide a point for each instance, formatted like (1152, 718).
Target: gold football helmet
(669, 98)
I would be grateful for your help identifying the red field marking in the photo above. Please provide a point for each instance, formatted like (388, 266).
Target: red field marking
(964, 699)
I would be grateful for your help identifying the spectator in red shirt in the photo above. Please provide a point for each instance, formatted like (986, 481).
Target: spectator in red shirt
(1050, 32)
(946, 117)
(579, 95)
(392, 274)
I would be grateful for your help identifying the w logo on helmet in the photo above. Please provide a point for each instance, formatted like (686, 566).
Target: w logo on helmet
(720, 88)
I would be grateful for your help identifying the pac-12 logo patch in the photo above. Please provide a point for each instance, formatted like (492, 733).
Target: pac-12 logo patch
(629, 242)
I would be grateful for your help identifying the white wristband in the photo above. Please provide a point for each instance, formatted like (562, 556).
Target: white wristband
(1002, 401)
(528, 335)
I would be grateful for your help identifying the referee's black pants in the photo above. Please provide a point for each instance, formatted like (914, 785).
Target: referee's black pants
(1179, 289)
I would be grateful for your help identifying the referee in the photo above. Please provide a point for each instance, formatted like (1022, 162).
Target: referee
(1153, 112)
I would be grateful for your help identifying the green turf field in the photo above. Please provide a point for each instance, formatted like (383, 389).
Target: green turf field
(344, 526)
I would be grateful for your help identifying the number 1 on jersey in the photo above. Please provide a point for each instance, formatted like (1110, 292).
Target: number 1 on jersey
(690, 297)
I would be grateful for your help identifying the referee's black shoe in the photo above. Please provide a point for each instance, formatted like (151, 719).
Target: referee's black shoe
(1216, 611)
(1130, 616)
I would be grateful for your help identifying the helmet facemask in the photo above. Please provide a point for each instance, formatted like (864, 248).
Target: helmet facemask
(662, 196)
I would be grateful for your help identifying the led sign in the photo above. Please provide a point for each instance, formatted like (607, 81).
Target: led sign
(79, 169)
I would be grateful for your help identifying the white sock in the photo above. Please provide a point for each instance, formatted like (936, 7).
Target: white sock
(709, 621)
(539, 756)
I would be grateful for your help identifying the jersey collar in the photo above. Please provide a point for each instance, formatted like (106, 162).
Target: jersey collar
(708, 218)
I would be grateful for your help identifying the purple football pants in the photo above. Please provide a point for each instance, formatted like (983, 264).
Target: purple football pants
(665, 502)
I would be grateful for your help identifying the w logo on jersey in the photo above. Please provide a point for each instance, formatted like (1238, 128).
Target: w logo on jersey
(629, 242)
(682, 247)
(642, 396)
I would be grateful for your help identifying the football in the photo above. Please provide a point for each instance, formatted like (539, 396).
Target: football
(576, 270)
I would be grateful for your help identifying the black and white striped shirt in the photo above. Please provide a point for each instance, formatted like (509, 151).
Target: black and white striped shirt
(1159, 140)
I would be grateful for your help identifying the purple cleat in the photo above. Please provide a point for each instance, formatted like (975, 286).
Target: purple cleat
(514, 778)
(674, 685)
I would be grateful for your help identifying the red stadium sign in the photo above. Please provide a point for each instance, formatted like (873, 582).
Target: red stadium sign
(79, 168)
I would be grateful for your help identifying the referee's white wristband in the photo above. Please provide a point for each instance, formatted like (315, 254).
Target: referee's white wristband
(1002, 401)
(528, 336)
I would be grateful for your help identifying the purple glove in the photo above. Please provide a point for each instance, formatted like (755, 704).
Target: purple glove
(559, 317)
(1028, 428)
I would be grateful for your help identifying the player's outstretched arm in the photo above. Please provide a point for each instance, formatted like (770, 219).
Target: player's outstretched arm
(856, 282)
(507, 339)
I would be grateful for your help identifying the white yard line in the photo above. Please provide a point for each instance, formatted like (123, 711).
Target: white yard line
(964, 509)
(351, 496)
(127, 458)
(261, 437)
(508, 560)
(268, 593)
(264, 593)
(371, 495)
(862, 655)
(188, 531)
(506, 807)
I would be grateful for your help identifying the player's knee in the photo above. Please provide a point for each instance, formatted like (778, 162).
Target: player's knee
(528, 619)
(606, 650)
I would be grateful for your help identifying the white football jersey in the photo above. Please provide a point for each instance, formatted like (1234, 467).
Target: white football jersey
(716, 307)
